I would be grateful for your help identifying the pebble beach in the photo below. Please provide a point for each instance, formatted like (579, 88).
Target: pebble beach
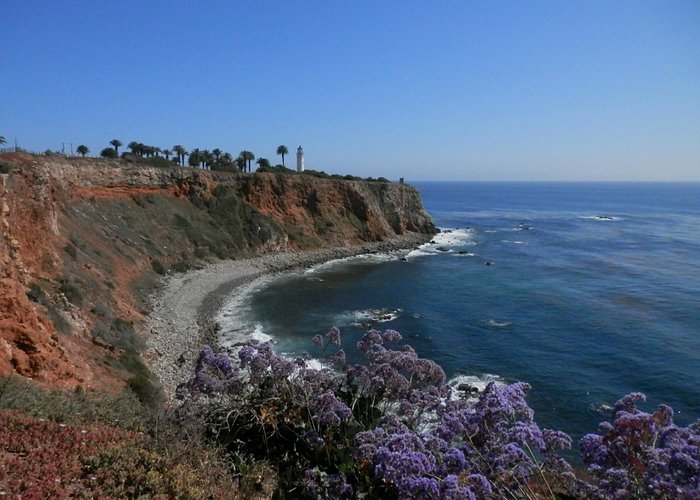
(182, 310)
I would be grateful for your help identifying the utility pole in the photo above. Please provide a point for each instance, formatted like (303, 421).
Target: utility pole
(63, 148)
(71, 149)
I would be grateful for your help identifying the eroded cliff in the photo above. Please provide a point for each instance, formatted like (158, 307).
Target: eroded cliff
(82, 241)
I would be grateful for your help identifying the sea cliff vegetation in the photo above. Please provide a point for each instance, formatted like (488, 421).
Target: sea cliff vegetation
(259, 425)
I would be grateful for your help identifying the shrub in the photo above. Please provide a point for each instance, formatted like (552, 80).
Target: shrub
(5, 168)
(36, 293)
(71, 250)
(71, 292)
(158, 267)
(389, 428)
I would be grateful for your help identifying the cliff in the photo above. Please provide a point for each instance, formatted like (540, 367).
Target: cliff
(83, 241)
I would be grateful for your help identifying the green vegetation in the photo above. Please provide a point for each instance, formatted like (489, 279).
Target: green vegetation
(108, 153)
(71, 292)
(247, 157)
(60, 444)
(282, 150)
(82, 150)
(116, 143)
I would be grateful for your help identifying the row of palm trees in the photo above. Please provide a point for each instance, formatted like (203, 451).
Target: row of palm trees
(202, 159)
(215, 159)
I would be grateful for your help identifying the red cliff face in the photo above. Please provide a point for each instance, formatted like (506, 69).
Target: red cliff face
(82, 242)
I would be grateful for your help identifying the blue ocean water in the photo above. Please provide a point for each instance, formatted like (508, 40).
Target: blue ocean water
(585, 291)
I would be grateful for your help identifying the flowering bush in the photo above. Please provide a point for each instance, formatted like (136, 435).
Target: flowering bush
(389, 427)
(643, 455)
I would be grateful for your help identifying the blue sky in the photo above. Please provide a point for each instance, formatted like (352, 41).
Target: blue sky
(426, 90)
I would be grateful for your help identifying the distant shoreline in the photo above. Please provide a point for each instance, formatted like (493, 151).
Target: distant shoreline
(182, 310)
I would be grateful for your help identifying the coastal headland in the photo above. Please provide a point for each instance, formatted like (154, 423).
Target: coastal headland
(105, 263)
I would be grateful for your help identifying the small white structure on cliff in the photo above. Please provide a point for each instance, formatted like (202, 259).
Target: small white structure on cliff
(300, 159)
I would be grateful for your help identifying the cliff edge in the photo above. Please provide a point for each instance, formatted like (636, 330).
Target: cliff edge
(83, 242)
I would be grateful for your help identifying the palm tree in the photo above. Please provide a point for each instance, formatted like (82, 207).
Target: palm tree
(167, 153)
(195, 157)
(282, 150)
(204, 156)
(82, 150)
(181, 152)
(217, 153)
(263, 163)
(247, 156)
(116, 143)
(135, 147)
(2, 140)
(207, 159)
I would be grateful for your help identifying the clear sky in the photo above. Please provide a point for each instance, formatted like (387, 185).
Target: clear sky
(426, 90)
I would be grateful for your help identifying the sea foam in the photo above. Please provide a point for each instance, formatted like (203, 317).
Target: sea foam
(447, 241)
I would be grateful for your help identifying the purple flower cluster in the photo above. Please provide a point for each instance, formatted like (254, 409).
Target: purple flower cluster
(328, 410)
(214, 373)
(644, 454)
(391, 428)
(319, 484)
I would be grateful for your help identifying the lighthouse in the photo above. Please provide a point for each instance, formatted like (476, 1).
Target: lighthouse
(300, 159)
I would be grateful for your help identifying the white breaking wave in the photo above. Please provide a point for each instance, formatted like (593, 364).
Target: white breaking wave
(602, 218)
(368, 317)
(497, 324)
(259, 334)
(470, 386)
(370, 258)
(447, 241)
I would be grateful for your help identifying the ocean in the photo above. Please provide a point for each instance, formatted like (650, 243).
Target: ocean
(587, 291)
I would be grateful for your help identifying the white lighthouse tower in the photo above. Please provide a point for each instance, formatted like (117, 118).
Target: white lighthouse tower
(300, 159)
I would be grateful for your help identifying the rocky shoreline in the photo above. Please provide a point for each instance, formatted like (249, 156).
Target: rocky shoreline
(182, 309)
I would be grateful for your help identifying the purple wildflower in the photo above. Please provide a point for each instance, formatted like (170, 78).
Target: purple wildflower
(556, 440)
(479, 485)
(522, 433)
(338, 486)
(214, 373)
(450, 489)
(339, 357)
(391, 336)
(328, 410)
(246, 354)
(370, 338)
(333, 336)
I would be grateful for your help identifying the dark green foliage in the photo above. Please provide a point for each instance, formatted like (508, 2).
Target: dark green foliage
(102, 310)
(71, 292)
(158, 266)
(156, 161)
(71, 250)
(277, 169)
(5, 168)
(108, 153)
(144, 389)
(181, 221)
(141, 383)
(181, 266)
(36, 293)
(118, 333)
(79, 406)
